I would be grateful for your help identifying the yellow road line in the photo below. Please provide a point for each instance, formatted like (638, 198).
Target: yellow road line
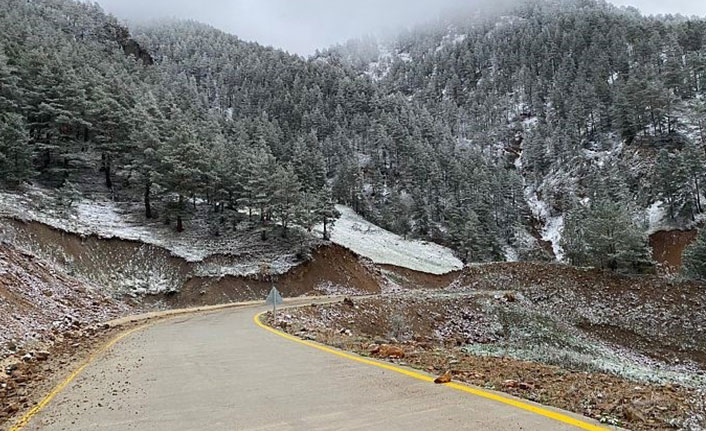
(24, 420)
(459, 387)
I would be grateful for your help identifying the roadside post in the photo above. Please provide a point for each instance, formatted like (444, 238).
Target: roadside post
(274, 299)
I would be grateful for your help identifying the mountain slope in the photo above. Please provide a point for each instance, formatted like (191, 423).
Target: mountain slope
(584, 100)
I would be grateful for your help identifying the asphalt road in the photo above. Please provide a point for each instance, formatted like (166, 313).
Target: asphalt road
(220, 371)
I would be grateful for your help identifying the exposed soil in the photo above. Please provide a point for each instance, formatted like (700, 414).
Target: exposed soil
(668, 247)
(154, 275)
(433, 332)
(628, 310)
(38, 302)
(331, 270)
(23, 382)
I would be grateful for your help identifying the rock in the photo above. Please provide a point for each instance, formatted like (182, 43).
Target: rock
(444, 378)
(12, 409)
(388, 351)
(348, 302)
(27, 357)
(42, 355)
(633, 415)
(514, 384)
(18, 376)
(525, 386)
(510, 384)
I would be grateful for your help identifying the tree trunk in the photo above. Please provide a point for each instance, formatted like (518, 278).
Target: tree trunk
(325, 232)
(180, 224)
(148, 206)
(106, 170)
(698, 195)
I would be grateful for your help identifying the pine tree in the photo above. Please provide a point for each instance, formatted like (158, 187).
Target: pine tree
(16, 152)
(573, 239)
(326, 211)
(285, 196)
(182, 166)
(606, 236)
(146, 140)
(671, 182)
(306, 211)
(10, 92)
(695, 169)
(694, 260)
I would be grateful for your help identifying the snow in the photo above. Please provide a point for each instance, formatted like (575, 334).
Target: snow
(552, 225)
(511, 254)
(384, 247)
(108, 219)
(655, 216)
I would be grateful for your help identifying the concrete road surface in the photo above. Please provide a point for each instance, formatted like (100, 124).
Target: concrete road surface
(220, 371)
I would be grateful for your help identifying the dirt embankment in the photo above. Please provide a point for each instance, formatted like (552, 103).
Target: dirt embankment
(668, 247)
(153, 275)
(331, 270)
(38, 301)
(638, 312)
(46, 317)
(118, 266)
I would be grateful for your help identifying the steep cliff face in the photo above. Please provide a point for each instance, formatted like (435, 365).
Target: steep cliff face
(128, 44)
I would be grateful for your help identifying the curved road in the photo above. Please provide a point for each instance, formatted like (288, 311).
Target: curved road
(220, 371)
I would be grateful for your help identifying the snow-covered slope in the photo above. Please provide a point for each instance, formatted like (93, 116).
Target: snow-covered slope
(381, 246)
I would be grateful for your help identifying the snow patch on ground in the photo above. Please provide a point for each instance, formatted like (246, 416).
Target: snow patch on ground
(655, 216)
(511, 254)
(240, 253)
(552, 225)
(381, 246)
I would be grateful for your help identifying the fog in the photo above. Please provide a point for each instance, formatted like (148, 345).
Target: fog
(302, 26)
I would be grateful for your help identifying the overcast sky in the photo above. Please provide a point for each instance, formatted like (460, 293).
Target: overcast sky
(302, 26)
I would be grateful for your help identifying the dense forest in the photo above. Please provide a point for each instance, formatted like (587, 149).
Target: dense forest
(480, 132)
(600, 110)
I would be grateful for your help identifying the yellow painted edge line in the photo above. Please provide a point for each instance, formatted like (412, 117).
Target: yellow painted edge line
(24, 420)
(459, 387)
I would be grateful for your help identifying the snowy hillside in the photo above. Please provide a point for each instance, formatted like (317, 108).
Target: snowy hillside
(381, 246)
(238, 251)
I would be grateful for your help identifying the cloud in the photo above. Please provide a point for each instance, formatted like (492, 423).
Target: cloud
(302, 26)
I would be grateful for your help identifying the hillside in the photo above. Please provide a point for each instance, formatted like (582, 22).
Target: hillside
(459, 132)
(586, 102)
(39, 302)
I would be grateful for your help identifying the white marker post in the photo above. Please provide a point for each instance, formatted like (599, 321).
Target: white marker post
(274, 299)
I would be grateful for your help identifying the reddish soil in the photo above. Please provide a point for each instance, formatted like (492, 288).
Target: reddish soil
(668, 247)
(47, 318)
(37, 301)
(627, 310)
(331, 270)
